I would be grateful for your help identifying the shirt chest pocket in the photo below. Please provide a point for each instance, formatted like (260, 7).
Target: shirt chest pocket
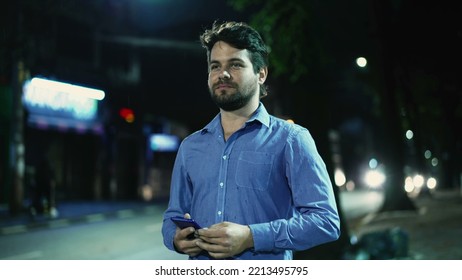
(254, 170)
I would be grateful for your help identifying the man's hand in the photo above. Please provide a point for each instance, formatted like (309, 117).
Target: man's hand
(183, 243)
(225, 239)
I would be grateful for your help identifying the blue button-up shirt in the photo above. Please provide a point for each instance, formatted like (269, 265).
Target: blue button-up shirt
(267, 175)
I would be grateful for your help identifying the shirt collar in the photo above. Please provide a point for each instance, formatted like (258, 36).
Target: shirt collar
(260, 115)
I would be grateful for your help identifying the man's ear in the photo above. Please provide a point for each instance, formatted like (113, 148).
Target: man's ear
(262, 74)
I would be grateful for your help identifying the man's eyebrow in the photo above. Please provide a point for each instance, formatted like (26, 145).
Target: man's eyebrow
(229, 60)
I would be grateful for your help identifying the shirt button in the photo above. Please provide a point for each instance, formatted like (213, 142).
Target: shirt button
(224, 157)
(221, 184)
(219, 213)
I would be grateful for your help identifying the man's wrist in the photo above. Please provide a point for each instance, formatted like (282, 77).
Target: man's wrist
(249, 240)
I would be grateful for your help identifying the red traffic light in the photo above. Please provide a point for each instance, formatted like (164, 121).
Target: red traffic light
(127, 114)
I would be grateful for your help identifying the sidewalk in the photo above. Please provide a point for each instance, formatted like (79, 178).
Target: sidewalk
(434, 231)
(75, 212)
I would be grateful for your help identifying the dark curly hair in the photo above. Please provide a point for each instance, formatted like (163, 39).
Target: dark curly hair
(241, 36)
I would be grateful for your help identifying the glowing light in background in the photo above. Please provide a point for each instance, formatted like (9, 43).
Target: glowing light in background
(350, 185)
(164, 142)
(55, 86)
(374, 178)
(409, 134)
(431, 183)
(408, 184)
(428, 154)
(373, 163)
(47, 97)
(339, 177)
(418, 181)
(361, 62)
(414, 185)
(127, 114)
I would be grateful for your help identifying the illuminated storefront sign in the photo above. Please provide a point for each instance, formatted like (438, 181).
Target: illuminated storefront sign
(160, 142)
(53, 103)
(47, 97)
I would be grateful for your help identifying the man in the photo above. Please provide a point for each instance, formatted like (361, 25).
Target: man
(255, 183)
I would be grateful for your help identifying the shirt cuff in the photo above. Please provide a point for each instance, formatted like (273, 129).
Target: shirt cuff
(263, 237)
(168, 238)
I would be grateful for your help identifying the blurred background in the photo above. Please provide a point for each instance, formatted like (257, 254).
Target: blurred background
(106, 90)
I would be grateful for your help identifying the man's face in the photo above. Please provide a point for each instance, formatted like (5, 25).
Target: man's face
(232, 80)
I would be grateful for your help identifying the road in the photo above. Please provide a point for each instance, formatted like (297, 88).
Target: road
(358, 203)
(135, 238)
(130, 238)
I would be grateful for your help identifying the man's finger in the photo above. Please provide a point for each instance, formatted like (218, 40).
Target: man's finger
(214, 250)
(184, 233)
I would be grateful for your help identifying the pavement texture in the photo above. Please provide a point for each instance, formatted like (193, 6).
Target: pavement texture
(432, 232)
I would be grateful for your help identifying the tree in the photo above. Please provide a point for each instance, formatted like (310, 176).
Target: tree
(392, 143)
(420, 49)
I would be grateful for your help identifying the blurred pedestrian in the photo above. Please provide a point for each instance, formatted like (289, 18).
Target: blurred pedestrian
(44, 189)
(254, 182)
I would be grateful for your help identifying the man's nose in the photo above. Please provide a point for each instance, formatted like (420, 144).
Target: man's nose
(225, 74)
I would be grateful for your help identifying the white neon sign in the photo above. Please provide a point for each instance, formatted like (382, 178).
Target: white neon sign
(42, 96)
(68, 88)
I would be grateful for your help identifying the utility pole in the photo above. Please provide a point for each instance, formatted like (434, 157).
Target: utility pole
(17, 147)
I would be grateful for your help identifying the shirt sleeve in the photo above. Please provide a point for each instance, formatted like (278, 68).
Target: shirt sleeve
(180, 199)
(315, 219)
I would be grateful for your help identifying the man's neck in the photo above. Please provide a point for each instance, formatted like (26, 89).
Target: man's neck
(231, 121)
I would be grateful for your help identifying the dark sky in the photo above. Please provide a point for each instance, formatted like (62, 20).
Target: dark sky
(145, 53)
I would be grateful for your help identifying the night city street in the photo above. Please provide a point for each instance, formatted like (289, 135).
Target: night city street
(97, 99)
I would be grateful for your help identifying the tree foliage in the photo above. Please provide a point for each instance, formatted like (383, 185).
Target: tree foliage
(287, 27)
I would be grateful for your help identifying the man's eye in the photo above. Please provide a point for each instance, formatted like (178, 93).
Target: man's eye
(214, 67)
(236, 66)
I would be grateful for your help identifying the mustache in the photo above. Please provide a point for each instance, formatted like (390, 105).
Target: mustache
(218, 84)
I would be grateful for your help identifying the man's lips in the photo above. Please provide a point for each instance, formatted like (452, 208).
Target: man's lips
(223, 86)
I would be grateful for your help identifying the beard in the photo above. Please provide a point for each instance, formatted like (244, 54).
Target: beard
(232, 101)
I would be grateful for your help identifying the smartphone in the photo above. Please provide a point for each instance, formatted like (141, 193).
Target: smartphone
(184, 223)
